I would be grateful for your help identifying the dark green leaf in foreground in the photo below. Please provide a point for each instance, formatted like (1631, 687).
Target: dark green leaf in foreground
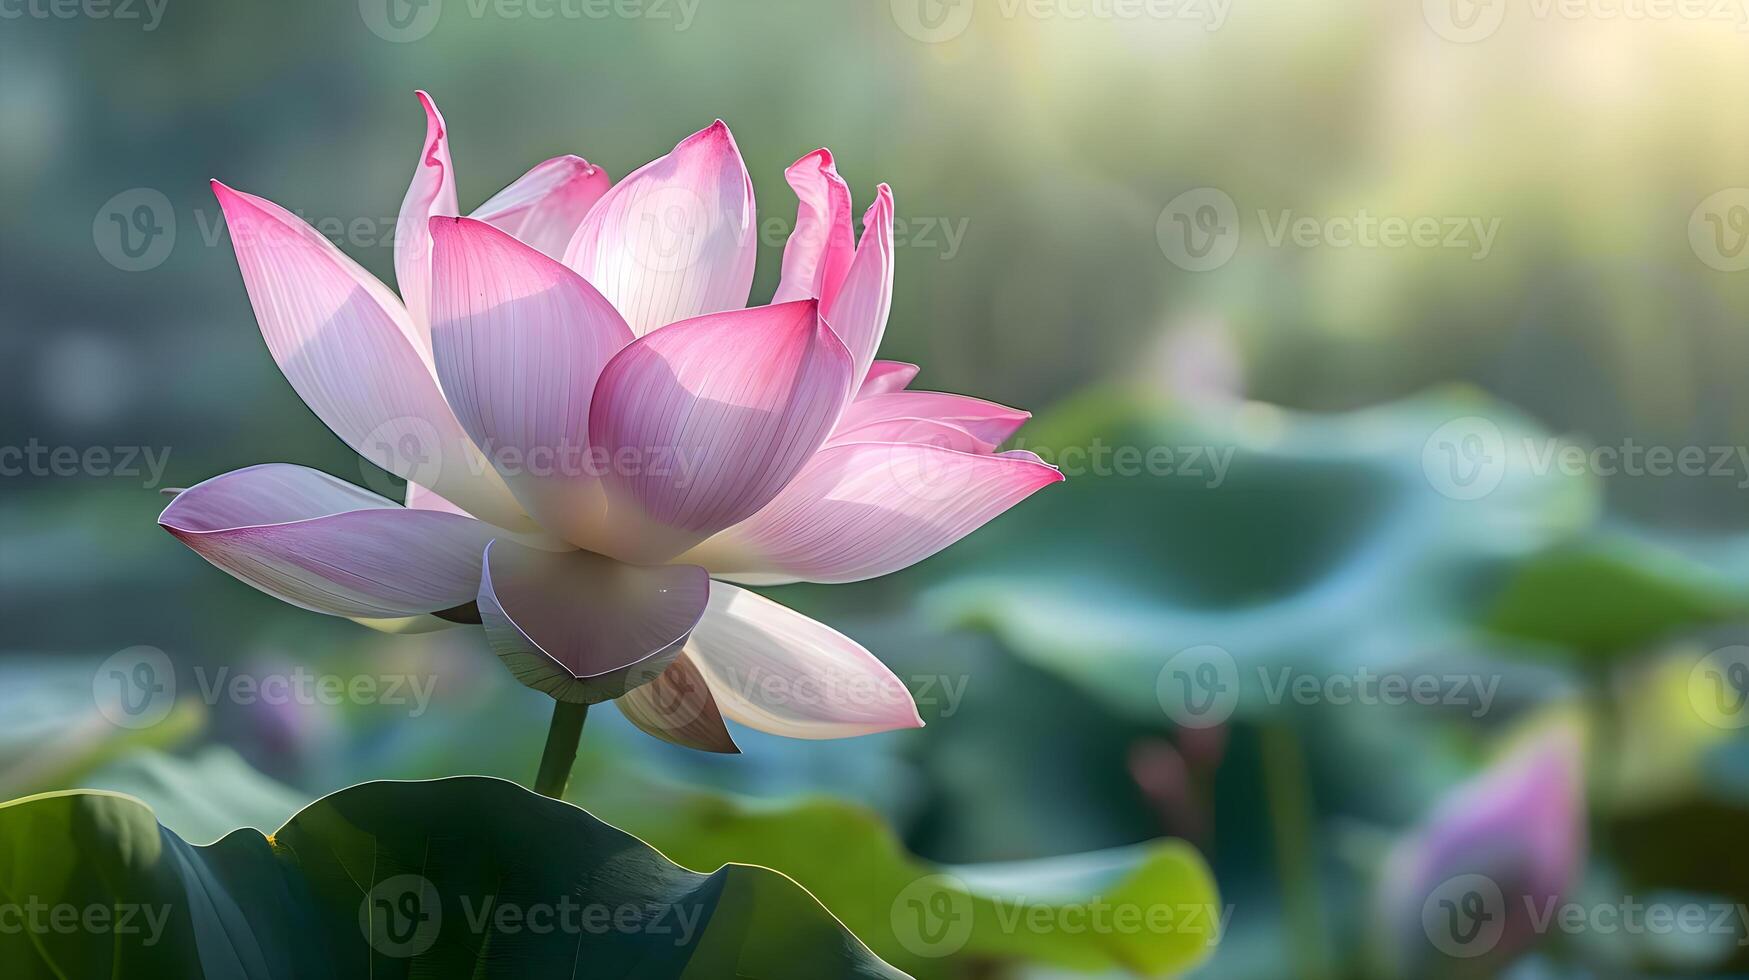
(464, 877)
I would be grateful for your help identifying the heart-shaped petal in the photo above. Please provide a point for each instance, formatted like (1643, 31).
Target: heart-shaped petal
(583, 627)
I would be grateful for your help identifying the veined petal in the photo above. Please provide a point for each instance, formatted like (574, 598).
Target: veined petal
(431, 192)
(520, 341)
(582, 627)
(818, 253)
(773, 669)
(717, 414)
(886, 376)
(309, 539)
(861, 510)
(544, 206)
(987, 422)
(926, 432)
(678, 707)
(347, 347)
(675, 239)
(420, 498)
(858, 311)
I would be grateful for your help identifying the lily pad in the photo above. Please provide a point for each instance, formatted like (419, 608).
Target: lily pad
(1150, 908)
(463, 877)
(1280, 539)
(1610, 596)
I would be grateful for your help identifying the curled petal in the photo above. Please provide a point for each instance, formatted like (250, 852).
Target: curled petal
(347, 347)
(678, 707)
(860, 510)
(582, 627)
(773, 669)
(675, 239)
(886, 376)
(431, 192)
(544, 207)
(818, 253)
(714, 416)
(858, 311)
(520, 341)
(987, 422)
(309, 539)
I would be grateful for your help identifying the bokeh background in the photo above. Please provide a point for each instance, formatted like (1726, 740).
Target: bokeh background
(1377, 339)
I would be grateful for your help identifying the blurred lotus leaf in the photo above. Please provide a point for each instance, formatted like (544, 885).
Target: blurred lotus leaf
(1270, 538)
(1610, 595)
(457, 877)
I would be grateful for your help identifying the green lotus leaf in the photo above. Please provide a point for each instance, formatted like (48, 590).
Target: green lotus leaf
(462, 877)
(1282, 539)
(1611, 596)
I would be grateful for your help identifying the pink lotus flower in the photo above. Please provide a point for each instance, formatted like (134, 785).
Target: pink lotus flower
(1462, 894)
(600, 436)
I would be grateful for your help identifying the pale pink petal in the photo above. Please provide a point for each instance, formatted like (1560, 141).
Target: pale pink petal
(987, 422)
(678, 707)
(544, 206)
(675, 239)
(419, 498)
(431, 192)
(861, 510)
(886, 376)
(859, 309)
(582, 627)
(520, 341)
(927, 432)
(773, 669)
(714, 416)
(309, 539)
(817, 255)
(347, 347)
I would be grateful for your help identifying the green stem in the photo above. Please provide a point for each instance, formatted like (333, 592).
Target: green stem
(561, 750)
(1290, 810)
